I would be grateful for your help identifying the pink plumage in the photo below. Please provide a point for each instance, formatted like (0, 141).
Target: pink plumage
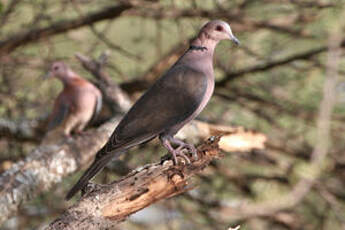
(78, 103)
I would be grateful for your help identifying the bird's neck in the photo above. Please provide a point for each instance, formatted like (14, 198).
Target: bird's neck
(69, 77)
(200, 53)
(203, 43)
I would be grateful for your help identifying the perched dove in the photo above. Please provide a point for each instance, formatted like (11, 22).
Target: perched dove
(77, 104)
(174, 99)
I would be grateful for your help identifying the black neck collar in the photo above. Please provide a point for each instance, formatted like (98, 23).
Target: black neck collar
(201, 48)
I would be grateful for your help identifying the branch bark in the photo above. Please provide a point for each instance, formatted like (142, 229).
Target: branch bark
(25, 131)
(48, 165)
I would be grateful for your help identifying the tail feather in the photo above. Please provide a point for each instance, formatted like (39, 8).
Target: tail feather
(97, 165)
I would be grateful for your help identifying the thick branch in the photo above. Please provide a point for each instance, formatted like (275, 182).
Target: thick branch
(104, 206)
(21, 131)
(9, 44)
(46, 166)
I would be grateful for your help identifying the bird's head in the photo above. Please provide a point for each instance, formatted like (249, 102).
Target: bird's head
(59, 70)
(218, 30)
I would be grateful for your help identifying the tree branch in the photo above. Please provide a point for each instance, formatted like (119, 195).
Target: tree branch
(48, 165)
(156, 70)
(30, 131)
(11, 43)
(104, 206)
(114, 95)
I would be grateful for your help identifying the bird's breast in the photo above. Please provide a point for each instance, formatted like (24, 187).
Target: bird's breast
(203, 102)
(206, 97)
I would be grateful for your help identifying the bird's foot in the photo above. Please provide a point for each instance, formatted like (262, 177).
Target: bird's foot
(179, 152)
(190, 148)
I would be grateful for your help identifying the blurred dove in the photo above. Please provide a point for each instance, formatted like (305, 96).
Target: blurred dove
(78, 103)
(173, 100)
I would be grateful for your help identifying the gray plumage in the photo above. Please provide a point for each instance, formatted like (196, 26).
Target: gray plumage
(172, 101)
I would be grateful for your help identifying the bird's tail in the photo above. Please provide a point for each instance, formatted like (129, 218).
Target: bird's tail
(97, 165)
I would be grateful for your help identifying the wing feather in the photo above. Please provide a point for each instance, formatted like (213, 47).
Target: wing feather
(171, 100)
(59, 113)
(98, 107)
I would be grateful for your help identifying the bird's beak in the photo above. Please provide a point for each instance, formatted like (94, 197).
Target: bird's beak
(234, 39)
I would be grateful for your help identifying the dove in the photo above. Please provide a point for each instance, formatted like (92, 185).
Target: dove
(173, 100)
(77, 104)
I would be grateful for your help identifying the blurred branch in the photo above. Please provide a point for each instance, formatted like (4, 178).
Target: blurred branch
(48, 165)
(114, 95)
(30, 131)
(239, 21)
(300, 190)
(114, 46)
(333, 203)
(156, 70)
(101, 36)
(305, 55)
(34, 35)
(316, 4)
(8, 11)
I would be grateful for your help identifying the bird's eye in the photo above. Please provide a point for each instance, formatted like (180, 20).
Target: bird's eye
(219, 28)
(56, 67)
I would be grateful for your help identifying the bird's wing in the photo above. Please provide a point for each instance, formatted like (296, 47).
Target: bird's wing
(98, 106)
(59, 114)
(170, 101)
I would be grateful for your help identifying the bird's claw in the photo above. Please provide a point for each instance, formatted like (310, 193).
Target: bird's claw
(190, 149)
(180, 153)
